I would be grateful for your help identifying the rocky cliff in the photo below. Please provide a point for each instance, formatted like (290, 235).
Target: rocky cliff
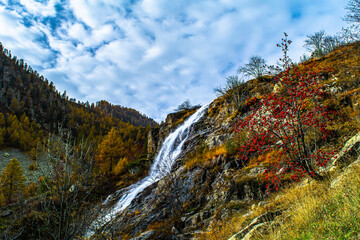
(209, 185)
(191, 197)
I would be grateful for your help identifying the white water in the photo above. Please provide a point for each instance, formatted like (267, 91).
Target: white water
(165, 159)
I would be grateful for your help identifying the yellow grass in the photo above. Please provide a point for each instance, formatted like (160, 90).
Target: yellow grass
(316, 211)
(205, 158)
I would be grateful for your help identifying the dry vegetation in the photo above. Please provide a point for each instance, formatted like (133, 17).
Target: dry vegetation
(204, 157)
(312, 209)
(317, 211)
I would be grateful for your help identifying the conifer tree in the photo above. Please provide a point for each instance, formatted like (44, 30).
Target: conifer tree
(2, 129)
(2, 120)
(2, 136)
(110, 151)
(12, 180)
(25, 139)
(14, 105)
(13, 130)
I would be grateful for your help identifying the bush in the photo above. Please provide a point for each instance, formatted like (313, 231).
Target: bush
(320, 44)
(353, 14)
(186, 105)
(256, 68)
(235, 91)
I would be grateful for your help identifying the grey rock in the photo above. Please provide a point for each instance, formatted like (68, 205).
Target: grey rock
(262, 203)
(152, 138)
(144, 236)
(217, 140)
(257, 230)
(6, 213)
(256, 171)
(352, 145)
(232, 165)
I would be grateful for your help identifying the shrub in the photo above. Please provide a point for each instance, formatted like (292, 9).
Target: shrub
(186, 105)
(320, 44)
(256, 68)
(235, 91)
(291, 119)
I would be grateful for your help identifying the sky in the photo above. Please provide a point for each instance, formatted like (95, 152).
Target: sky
(152, 55)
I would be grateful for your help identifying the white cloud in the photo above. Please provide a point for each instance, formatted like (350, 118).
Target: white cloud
(37, 8)
(154, 54)
(20, 39)
(78, 32)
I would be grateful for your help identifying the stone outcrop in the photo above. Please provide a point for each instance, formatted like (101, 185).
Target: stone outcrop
(188, 200)
(152, 140)
(156, 136)
(258, 225)
(351, 147)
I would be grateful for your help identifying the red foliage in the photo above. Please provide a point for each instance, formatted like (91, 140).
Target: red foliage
(290, 119)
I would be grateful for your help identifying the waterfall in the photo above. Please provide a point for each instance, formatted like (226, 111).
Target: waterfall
(164, 160)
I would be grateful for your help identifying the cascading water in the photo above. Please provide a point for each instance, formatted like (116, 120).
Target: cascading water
(165, 159)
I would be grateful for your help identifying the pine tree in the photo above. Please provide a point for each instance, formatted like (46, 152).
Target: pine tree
(110, 151)
(14, 106)
(2, 120)
(25, 139)
(2, 129)
(13, 130)
(2, 136)
(138, 135)
(12, 180)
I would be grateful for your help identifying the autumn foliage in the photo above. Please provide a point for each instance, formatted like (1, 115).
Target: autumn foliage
(291, 120)
(12, 181)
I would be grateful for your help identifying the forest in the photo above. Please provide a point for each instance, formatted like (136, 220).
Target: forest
(75, 148)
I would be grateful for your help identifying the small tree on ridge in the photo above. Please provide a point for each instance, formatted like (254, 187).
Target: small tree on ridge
(256, 67)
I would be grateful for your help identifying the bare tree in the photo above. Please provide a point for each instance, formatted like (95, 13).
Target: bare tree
(186, 105)
(330, 43)
(320, 44)
(353, 15)
(256, 67)
(350, 34)
(67, 183)
(314, 43)
(234, 90)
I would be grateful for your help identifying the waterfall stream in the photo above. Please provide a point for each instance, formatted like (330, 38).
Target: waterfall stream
(164, 160)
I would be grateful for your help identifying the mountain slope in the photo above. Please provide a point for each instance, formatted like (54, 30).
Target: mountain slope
(24, 93)
(211, 193)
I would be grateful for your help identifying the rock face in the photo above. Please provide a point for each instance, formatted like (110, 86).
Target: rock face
(152, 139)
(156, 136)
(257, 226)
(188, 200)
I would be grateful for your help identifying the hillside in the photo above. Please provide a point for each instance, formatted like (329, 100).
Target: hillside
(272, 155)
(216, 190)
(24, 91)
(61, 143)
(31, 107)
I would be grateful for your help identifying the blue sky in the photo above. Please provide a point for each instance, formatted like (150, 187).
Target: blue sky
(152, 55)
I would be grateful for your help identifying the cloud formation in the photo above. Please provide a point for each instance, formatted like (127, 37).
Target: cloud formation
(152, 55)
